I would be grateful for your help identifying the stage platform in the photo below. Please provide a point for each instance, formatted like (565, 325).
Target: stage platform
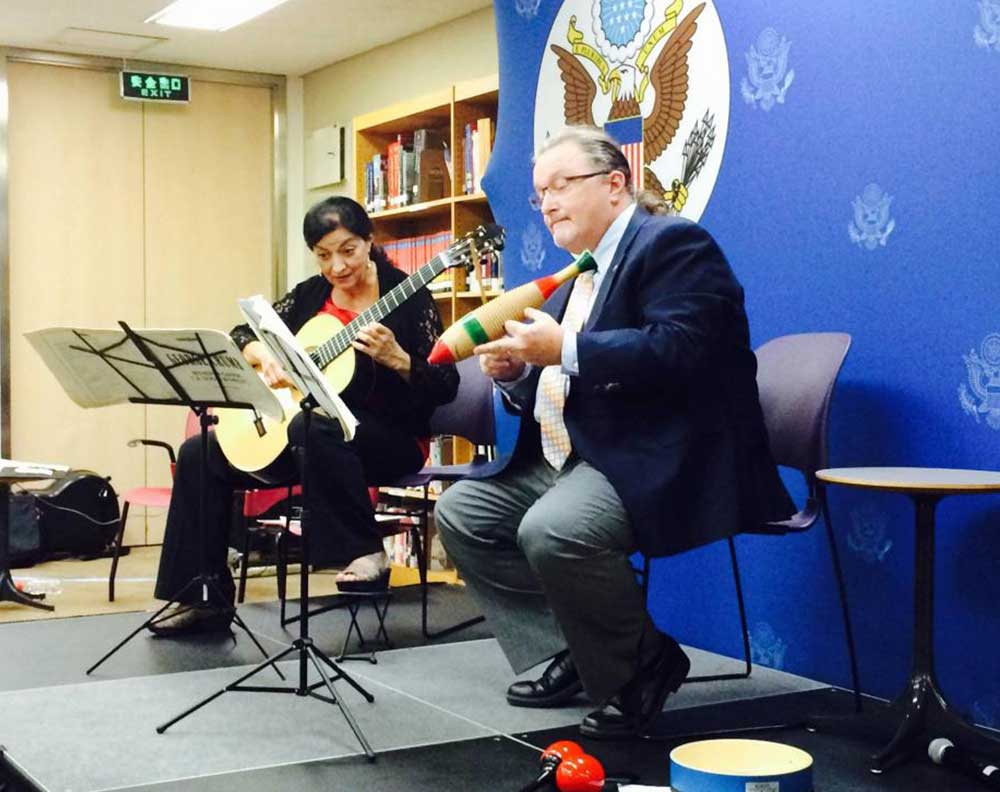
(439, 720)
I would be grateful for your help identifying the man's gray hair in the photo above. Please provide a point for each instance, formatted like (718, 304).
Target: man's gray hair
(601, 149)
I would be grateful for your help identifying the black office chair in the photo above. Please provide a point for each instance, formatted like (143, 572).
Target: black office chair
(796, 375)
(470, 415)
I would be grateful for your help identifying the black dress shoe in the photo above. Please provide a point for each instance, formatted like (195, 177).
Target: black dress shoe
(639, 703)
(558, 684)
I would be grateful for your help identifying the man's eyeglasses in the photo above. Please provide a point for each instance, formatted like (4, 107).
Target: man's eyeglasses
(559, 186)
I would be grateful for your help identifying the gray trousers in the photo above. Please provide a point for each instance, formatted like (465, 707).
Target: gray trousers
(545, 555)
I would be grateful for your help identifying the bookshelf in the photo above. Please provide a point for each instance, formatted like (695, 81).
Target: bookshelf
(444, 113)
(447, 112)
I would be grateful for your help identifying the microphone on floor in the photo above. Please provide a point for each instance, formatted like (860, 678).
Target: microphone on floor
(546, 778)
(944, 752)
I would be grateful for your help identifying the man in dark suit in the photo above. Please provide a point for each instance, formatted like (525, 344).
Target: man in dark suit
(641, 429)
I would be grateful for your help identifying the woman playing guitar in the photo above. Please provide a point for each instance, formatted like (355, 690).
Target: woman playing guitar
(392, 391)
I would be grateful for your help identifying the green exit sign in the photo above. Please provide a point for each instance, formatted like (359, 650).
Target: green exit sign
(150, 87)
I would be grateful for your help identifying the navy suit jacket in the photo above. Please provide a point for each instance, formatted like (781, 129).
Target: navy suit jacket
(666, 403)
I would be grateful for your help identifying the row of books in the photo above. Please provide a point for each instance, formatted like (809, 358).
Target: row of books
(411, 253)
(478, 145)
(414, 168)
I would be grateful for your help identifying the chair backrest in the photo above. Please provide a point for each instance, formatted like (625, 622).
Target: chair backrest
(795, 377)
(470, 414)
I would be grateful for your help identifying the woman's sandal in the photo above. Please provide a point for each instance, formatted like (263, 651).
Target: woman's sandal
(368, 573)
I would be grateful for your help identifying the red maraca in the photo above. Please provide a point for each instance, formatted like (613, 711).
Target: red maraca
(581, 773)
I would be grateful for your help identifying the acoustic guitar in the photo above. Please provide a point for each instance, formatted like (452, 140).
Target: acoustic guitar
(251, 442)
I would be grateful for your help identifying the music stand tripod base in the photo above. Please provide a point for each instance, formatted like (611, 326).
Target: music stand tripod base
(302, 647)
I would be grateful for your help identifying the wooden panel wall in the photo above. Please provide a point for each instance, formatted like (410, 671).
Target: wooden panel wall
(76, 219)
(160, 216)
(208, 174)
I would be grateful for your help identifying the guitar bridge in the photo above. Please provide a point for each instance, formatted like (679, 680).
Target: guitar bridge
(258, 424)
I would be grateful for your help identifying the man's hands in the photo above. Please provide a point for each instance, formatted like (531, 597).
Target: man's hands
(501, 367)
(538, 342)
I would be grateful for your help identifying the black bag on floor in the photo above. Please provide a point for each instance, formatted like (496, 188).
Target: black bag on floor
(75, 515)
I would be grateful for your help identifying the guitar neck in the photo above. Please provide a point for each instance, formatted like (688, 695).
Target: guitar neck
(389, 302)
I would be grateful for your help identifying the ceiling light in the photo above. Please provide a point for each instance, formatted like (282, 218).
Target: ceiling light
(212, 14)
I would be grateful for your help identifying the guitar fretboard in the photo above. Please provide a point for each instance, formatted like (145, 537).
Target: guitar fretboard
(325, 353)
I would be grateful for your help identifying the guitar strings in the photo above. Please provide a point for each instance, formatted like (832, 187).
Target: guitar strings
(331, 349)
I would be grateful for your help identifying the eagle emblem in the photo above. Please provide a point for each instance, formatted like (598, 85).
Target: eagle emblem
(767, 68)
(527, 9)
(982, 396)
(871, 225)
(867, 537)
(532, 248)
(987, 32)
(767, 648)
(631, 76)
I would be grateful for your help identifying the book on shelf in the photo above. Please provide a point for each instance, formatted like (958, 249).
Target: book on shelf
(429, 139)
(429, 178)
(478, 145)
(411, 253)
(408, 177)
(432, 177)
(376, 187)
(481, 151)
(399, 153)
(393, 157)
(468, 174)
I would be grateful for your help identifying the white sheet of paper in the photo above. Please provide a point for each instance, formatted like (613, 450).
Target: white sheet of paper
(642, 788)
(276, 336)
(12, 468)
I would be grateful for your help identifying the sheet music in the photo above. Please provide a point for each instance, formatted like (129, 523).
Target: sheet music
(122, 372)
(276, 336)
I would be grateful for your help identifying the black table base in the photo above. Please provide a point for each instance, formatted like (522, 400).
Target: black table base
(921, 712)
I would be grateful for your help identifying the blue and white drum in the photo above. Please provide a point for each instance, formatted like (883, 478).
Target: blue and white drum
(740, 766)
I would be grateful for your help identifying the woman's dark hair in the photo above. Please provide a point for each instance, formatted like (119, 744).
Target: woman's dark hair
(332, 213)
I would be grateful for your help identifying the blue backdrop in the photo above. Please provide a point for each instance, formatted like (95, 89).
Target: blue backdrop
(856, 192)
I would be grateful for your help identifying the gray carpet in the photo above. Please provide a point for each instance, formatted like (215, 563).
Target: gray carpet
(100, 735)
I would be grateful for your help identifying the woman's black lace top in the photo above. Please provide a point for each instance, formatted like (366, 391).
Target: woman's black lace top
(416, 324)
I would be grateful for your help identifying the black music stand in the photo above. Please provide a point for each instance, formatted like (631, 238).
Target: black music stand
(166, 367)
(308, 380)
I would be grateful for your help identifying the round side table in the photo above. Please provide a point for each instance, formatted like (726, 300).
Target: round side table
(921, 708)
